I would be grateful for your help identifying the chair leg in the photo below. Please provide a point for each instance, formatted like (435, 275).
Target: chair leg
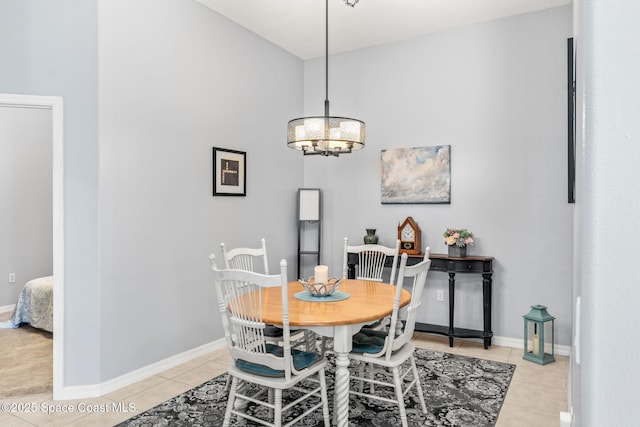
(310, 341)
(240, 404)
(325, 399)
(372, 386)
(277, 422)
(398, 386)
(271, 400)
(418, 385)
(361, 375)
(323, 346)
(230, 401)
(227, 385)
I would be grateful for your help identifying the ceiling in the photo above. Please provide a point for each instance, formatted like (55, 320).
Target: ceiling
(298, 26)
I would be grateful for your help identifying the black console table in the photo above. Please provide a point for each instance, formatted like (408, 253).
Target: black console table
(472, 264)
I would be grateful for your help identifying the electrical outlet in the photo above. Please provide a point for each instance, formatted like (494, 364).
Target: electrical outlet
(12, 277)
(440, 295)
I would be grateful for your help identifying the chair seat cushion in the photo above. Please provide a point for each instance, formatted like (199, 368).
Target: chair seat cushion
(374, 325)
(368, 341)
(301, 359)
(272, 331)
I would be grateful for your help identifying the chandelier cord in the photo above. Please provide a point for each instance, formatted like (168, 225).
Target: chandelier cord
(326, 135)
(326, 59)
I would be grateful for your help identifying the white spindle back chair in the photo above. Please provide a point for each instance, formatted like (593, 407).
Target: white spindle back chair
(371, 260)
(257, 361)
(243, 258)
(387, 352)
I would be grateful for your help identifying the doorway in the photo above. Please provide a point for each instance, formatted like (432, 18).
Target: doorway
(55, 104)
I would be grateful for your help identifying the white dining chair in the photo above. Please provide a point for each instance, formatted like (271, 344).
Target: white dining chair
(243, 258)
(371, 260)
(248, 259)
(257, 361)
(385, 358)
(371, 263)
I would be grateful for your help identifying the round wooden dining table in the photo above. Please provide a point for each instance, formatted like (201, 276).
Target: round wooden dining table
(367, 301)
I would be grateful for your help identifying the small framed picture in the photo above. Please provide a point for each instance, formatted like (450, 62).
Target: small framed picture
(229, 172)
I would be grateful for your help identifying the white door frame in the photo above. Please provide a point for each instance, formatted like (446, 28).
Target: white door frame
(53, 103)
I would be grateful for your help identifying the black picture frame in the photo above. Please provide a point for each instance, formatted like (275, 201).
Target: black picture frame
(571, 123)
(229, 172)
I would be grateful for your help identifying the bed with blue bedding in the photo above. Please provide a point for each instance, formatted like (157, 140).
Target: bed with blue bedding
(34, 306)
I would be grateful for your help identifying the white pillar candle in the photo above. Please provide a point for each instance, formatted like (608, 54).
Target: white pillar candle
(536, 343)
(321, 274)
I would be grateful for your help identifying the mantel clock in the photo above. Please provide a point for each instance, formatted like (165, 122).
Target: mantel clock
(409, 235)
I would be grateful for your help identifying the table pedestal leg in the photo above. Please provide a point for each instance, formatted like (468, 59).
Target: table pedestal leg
(341, 348)
(342, 390)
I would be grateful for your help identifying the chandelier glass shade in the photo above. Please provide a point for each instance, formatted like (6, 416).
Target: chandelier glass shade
(326, 135)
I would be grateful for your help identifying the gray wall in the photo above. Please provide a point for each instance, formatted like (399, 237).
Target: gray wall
(173, 84)
(26, 226)
(169, 93)
(50, 48)
(607, 208)
(495, 92)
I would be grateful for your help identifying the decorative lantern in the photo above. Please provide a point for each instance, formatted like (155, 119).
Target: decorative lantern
(539, 336)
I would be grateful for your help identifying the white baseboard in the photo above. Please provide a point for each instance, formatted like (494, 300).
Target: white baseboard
(96, 390)
(560, 350)
(565, 419)
(7, 308)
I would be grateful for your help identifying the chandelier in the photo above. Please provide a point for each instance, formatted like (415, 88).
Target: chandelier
(326, 135)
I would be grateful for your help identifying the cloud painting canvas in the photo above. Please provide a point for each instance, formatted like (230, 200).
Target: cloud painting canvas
(416, 175)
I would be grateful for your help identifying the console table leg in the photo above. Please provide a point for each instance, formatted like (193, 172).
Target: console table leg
(452, 291)
(486, 308)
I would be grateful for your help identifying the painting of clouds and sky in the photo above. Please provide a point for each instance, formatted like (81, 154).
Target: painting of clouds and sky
(416, 175)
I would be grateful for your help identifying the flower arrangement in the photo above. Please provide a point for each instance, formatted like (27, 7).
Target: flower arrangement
(458, 236)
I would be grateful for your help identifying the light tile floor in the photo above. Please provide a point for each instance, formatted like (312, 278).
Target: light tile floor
(534, 389)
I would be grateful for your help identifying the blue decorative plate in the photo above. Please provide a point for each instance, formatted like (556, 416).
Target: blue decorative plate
(336, 296)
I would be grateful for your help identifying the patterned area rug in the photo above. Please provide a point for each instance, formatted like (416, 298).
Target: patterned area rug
(458, 391)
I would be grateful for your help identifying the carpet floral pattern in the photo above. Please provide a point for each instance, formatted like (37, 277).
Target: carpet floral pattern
(458, 391)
